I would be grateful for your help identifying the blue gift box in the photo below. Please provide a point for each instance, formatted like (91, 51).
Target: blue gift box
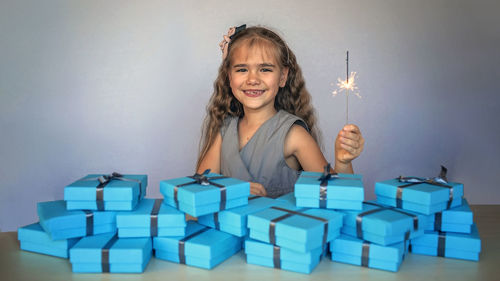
(108, 253)
(347, 249)
(265, 254)
(289, 198)
(383, 225)
(458, 219)
(106, 192)
(301, 231)
(422, 196)
(448, 244)
(151, 218)
(205, 194)
(61, 223)
(201, 247)
(234, 221)
(340, 191)
(34, 239)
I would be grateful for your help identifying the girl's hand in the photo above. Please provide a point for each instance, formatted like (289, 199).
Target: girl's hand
(257, 189)
(349, 144)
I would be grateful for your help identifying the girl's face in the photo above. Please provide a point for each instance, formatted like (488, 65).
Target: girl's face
(255, 77)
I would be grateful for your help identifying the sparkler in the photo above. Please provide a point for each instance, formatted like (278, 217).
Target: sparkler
(348, 86)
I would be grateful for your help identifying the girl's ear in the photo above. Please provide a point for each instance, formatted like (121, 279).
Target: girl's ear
(283, 77)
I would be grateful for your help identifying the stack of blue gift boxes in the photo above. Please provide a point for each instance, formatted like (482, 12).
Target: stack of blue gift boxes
(105, 224)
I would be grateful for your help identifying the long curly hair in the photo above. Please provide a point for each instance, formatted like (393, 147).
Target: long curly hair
(293, 97)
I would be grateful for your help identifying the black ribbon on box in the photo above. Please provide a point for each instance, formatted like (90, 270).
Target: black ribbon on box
(182, 254)
(359, 218)
(365, 254)
(105, 180)
(323, 186)
(154, 217)
(441, 244)
(440, 180)
(272, 224)
(105, 253)
(89, 222)
(202, 179)
(216, 221)
(276, 257)
(438, 221)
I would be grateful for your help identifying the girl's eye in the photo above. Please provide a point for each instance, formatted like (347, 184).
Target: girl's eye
(241, 70)
(266, 70)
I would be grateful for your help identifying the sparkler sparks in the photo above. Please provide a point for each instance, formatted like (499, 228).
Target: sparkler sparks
(347, 86)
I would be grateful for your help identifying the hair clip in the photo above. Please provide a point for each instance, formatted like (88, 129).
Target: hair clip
(238, 30)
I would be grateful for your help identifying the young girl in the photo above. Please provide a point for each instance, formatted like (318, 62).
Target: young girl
(260, 125)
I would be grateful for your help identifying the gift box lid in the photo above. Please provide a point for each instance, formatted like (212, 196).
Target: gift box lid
(122, 250)
(340, 186)
(459, 215)
(199, 241)
(353, 246)
(386, 221)
(141, 217)
(423, 193)
(459, 241)
(237, 217)
(198, 194)
(297, 227)
(34, 233)
(126, 189)
(258, 248)
(54, 216)
(289, 198)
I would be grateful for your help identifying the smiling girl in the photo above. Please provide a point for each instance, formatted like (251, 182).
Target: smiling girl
(260, 125)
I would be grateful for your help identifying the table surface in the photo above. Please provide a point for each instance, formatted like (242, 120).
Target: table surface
(21, 265)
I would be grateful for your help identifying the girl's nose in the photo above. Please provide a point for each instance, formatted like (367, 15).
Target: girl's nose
(253, 78)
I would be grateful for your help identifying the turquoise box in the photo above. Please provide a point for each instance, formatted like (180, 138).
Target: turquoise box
(205, 194)
(347, 249)
(151, 218)
(108, 253)
(341, 191)
(448, 244)
(61, 223)
(113, 192)
(234, 220)
(383, 225)
(265, 254)
(458, 219)
(201, 247)
(424, 198)
(34, 239)
(299, 230)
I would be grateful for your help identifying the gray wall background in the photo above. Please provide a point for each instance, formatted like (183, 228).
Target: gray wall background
(102, 86)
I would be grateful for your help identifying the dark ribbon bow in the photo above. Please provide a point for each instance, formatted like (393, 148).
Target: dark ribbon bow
(326, 175)
(202, 179)
(440, 180)
(105, 180)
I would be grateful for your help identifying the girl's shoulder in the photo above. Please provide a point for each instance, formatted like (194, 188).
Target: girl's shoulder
(288, 119)
(226, 123)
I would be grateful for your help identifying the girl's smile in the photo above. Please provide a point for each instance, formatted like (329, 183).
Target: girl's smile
(253, 93)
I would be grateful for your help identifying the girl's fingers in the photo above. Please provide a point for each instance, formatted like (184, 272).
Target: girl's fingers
(350, 135)
(349, 142)
(351, 128)
(347, 148)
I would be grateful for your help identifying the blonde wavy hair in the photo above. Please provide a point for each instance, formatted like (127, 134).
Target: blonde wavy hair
(293, 97)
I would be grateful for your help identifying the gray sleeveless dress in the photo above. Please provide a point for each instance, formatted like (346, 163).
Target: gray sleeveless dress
(261, 160)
